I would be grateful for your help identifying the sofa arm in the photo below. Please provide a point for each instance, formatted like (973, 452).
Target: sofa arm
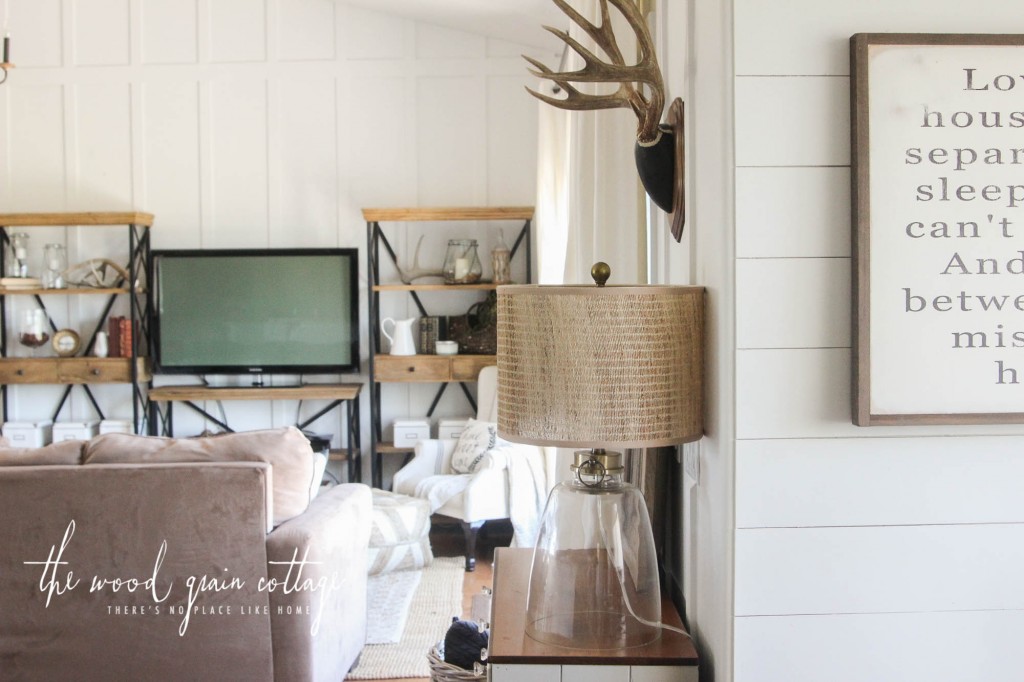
(318, 603)
(430, 458)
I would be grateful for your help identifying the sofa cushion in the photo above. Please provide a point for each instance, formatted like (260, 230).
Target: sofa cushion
(285, 449)
(64, 452)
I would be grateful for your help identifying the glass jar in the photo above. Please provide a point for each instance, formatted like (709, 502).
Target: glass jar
(32, 329)
(55, 262)
(461, 263)
(501, 261)
(17, 255)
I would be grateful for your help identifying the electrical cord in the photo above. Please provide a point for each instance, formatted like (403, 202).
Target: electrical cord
(639, 618)
(619, 561)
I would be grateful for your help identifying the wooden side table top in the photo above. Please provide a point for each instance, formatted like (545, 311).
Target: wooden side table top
(509, 642)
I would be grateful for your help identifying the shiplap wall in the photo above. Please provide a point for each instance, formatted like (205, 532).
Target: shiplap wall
(860, 553)
(255, 123)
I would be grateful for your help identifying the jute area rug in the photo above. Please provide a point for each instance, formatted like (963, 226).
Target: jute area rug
(437, 598)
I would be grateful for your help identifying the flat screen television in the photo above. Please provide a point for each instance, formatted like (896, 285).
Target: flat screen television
(255, 311)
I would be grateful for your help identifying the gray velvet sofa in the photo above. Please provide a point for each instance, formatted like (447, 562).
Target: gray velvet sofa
(159, 559)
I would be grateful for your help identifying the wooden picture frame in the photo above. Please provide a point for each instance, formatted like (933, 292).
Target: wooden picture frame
(937, 145)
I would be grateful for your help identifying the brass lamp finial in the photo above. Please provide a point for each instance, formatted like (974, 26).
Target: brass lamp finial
(600, 272)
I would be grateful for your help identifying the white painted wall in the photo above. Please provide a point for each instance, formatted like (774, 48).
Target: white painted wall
(255, 123)
(853, 553)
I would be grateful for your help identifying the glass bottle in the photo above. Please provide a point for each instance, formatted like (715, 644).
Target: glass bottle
(55, 262)
(17, 255)
(461, 263)
(500, 261)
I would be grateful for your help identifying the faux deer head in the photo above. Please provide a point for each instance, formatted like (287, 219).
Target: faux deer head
(659, 149)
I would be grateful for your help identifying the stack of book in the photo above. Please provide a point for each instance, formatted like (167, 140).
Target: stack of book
(428, 335)
(120, 332)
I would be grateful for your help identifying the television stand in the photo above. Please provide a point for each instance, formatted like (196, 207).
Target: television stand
(161, 422)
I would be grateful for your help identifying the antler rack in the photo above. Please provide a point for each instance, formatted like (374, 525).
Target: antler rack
(631, 77)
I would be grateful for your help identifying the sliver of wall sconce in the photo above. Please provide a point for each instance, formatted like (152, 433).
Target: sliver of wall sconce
(6, 64)
(659, 149)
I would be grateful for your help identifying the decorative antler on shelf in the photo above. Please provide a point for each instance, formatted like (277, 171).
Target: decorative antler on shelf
(413, 272)
(630, 78)
(98, 273)
(659, 148)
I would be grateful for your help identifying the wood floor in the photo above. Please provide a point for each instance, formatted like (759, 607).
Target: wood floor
(446, 540)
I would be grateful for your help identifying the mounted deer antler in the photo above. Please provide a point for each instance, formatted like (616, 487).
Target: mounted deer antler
(659, 148)
(631, 78)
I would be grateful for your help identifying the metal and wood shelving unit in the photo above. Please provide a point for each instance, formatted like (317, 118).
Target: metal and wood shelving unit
(83, 370)
(442, 369)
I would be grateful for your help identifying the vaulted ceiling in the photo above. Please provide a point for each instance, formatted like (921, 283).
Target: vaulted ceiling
(516, 21)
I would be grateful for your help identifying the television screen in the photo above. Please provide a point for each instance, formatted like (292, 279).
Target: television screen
(292, 311)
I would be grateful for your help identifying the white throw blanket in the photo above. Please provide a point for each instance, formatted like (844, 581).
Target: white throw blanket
(527, 490)
(526, 483)
(440, 488)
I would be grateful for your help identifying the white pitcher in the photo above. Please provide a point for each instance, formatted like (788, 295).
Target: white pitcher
(402, 343)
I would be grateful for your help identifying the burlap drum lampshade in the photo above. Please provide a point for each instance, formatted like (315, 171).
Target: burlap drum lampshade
(599, 367)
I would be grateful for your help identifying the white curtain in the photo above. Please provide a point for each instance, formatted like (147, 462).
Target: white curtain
(552, 210)
(587, 195)
(588, 198)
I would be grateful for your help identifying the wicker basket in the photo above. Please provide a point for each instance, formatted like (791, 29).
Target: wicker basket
(476, 332)
(446, 672)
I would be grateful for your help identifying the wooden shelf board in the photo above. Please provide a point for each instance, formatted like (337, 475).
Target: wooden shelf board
(342, 455)
(95, 219)
(482, 286)
(448, 213)
(392, 449)
(426, 368)
(73, 370)
(385, 357)
(304, 392)
(70, 291)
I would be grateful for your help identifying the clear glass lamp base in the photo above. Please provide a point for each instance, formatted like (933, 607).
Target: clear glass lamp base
(594, 580)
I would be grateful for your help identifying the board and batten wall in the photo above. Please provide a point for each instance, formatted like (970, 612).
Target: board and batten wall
(880, 553)
(254, 124)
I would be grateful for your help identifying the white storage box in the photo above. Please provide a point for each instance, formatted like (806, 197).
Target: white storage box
(451, 429)
(115, 426)
(408, 432)
(29, 434)
(75, 430)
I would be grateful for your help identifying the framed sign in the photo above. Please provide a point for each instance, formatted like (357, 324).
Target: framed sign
(938, 219)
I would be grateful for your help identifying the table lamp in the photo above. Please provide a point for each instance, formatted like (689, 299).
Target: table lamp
(597, 368)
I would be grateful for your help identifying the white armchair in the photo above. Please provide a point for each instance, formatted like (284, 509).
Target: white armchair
(487, 493)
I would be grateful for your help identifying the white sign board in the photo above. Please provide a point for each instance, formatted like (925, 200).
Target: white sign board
(938, 173)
